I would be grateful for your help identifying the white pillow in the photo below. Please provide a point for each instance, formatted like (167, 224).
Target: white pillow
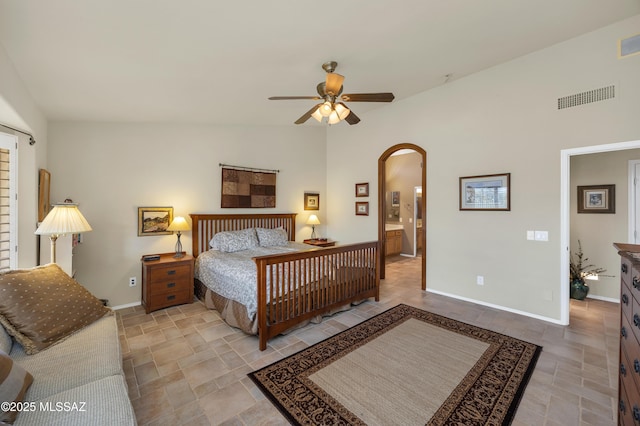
(272, 237)
(230, 241)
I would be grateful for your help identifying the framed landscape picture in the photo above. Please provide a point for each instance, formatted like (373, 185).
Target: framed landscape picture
(486, 192)
(154, 220)
(597, 199)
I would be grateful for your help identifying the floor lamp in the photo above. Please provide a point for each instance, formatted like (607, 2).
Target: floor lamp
(62, 219)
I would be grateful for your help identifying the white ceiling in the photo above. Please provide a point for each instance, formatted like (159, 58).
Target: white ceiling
(211, 61)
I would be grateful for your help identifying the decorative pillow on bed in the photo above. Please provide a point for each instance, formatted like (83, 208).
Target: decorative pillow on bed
(272, 237)
(230, 241)
(43, 305)
(14, 382)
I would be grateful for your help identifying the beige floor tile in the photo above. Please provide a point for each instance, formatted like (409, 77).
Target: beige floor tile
(184, 365)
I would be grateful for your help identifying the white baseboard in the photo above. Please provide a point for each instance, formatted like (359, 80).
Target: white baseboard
(605, 299)
(128, 305)
(501, 308)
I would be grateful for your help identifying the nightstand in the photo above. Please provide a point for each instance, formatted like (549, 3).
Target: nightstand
(167, 281)
(320, 243)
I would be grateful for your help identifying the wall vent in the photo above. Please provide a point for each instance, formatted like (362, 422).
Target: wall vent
(629, 46)
(590, 96)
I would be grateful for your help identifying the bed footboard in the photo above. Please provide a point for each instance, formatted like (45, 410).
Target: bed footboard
(297, 286)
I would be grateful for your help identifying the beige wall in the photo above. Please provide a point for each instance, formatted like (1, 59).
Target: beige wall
(503, 119)
(597, 232)
(112, 169)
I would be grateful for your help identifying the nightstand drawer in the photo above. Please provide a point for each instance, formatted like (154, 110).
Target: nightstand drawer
(159, 301)
(170, 273)
(168, 286)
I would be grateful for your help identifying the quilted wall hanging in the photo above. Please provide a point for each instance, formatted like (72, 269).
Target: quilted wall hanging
(248, 188)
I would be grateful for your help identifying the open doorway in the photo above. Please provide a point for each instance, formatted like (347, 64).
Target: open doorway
(565, 224)
(391, 205)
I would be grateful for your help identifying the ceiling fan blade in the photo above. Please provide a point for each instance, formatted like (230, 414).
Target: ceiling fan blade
(333, 83)
(307, 114)
(368, 97)
(352, 118)
(286, 98)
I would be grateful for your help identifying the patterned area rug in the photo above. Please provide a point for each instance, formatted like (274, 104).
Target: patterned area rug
(404, 366)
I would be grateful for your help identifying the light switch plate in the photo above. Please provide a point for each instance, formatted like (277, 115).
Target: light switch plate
(542, 235)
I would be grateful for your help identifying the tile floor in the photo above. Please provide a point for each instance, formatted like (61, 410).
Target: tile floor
(184, 365)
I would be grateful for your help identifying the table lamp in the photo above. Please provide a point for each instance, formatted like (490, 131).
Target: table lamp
(179, 224)
(313, 221)
(63, 219)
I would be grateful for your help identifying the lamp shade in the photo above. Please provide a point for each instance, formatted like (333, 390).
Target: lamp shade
(179, 224)
(63, 219)
(313, 220)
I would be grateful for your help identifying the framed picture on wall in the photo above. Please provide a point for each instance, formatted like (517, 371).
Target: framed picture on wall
(597, 199)
(44, 185)
(311, 201)
(362, 189)
(395, 198)
(362, 208)
(486, 192)
(154, 220)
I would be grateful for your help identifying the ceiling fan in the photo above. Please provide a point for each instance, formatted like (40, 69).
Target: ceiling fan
(332, 106)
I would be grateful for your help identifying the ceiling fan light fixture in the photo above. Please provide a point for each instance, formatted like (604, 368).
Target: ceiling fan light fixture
(316, 114)
(341, 110)
(333, 118)
(326, 109)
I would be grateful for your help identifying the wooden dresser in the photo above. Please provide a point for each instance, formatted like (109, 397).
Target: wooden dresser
(167, 282)
(629, 366)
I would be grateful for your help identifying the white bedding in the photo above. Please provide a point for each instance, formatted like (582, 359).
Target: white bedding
(233, 275)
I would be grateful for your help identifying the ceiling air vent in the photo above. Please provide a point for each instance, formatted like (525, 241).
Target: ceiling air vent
(629, 46)
(590, 96)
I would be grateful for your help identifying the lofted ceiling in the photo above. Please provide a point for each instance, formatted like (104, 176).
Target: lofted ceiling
(209, 61)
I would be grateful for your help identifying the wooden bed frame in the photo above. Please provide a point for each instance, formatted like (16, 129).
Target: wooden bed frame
(347, 273)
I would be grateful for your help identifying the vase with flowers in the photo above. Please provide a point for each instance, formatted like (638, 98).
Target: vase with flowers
(579, 269)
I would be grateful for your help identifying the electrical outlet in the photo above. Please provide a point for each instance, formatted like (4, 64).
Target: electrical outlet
(132, 282)
(480, 280)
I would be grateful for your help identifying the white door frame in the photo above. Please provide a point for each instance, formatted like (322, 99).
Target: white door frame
(565, 204)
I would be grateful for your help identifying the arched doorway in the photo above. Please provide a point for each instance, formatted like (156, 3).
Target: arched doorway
(382, 213)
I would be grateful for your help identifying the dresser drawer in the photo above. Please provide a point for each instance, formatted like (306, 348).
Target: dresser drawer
(625, 407)
(162, 274)
(629, 354)
(626, 269)
(626, 301)
(634, 320)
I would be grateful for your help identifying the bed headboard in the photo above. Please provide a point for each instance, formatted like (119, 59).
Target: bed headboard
(205, 226)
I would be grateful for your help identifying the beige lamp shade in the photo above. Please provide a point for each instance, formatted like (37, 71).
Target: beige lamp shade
(313, 220)
(63, 219)
(179, 224)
